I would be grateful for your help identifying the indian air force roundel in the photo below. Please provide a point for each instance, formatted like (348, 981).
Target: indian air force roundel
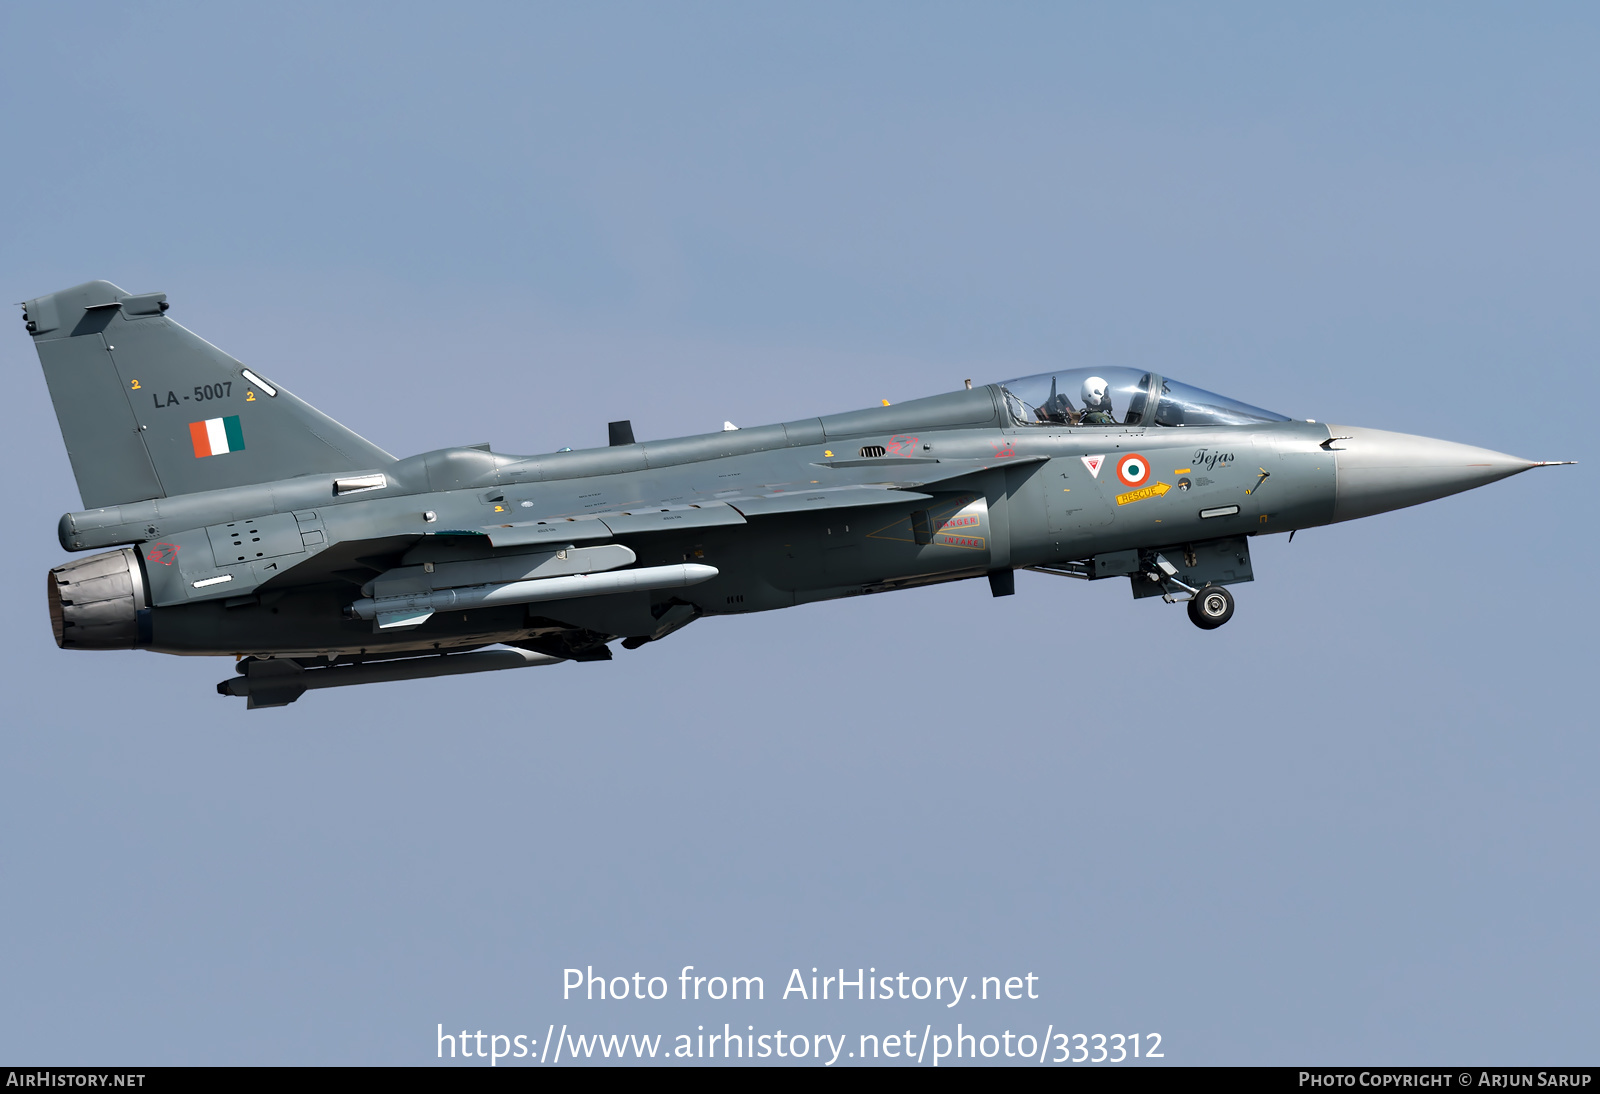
(1133, 469)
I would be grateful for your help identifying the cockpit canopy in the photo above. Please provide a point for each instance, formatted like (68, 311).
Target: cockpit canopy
(1122, 396)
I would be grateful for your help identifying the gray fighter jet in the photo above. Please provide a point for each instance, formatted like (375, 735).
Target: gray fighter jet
(245, 522)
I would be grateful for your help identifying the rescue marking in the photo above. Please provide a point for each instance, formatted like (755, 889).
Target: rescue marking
(1155, 491)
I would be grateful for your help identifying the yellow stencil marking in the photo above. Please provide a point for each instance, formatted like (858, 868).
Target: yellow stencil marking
(135, 386)
(1182, 470)
(250, 397)
(1154, 491)
(827, 452)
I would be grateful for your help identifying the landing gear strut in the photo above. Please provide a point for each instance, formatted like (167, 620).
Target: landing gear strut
(1211, 607)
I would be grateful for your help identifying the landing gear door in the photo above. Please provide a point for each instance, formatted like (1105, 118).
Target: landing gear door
(1214, 562)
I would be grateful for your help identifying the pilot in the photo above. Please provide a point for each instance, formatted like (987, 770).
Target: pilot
(1096, 402)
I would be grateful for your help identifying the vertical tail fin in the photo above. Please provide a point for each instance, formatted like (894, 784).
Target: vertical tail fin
(148, 409)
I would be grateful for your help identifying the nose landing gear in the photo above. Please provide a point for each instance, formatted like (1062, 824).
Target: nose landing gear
(1151, 574)
(1211, 607)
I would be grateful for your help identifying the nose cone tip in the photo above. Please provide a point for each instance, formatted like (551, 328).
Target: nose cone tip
(1379, 471)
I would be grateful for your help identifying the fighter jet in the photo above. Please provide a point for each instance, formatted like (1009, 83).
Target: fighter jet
(242, 521)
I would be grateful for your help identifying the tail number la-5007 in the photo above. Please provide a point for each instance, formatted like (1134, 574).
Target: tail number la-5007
(202, 393)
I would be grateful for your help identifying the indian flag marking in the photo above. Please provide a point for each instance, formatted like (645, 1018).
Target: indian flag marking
(215, 436)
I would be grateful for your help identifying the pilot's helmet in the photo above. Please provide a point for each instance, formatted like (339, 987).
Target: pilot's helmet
(1094, 393)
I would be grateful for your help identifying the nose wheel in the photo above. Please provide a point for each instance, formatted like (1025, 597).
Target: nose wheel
(1211, 607)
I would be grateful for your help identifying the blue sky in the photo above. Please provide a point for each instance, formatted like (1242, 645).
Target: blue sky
(1355, 825)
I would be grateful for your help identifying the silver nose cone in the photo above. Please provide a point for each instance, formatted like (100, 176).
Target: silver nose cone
(1379, 471)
